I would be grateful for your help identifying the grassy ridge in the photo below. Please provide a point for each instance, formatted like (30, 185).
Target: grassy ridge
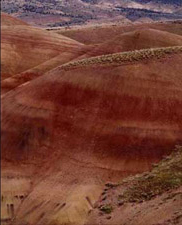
(124, 57)
(165, 176)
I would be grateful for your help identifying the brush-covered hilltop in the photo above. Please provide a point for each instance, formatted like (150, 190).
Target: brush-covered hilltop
(85, 107)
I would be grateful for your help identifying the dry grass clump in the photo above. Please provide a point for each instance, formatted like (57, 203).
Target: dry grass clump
(124, 57)
(165, 176)
(106, 209)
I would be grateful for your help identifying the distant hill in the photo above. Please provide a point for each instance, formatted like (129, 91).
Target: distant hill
(56, 13)
(171, 2)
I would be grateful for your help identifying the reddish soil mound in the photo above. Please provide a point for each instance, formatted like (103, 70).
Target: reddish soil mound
(135, 40)
(7, 20)
(128, 118)
(80, 126)
(32, 73)
(100, 34)
(140, 39)
(24, 47)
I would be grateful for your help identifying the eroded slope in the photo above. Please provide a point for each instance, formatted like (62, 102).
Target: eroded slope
(88, 122)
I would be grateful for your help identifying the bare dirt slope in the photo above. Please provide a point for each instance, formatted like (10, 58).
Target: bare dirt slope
(135, 40)
(88, 122)
(32, 73)
(102, 33)
(7, 20)
(24, 47)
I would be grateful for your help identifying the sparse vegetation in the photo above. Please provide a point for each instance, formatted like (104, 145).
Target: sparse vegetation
(79, 12)
(119, 58)
(165, 176)
(135, 13)
(110, 185)
(107, 209)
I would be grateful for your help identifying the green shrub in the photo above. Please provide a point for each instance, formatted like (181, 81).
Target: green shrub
(106, 209)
